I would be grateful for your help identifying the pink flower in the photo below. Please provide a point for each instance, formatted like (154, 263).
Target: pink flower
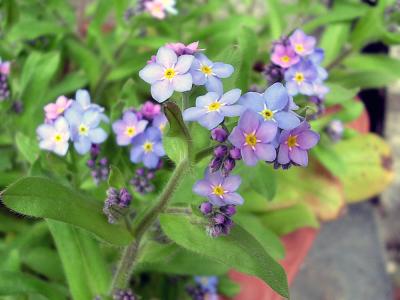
(54, 110)
(284, 56)
(181, 49)
(5, 68)
(156, 9)
(149, 110)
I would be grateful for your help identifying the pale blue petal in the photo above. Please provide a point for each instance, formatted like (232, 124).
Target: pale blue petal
(276, 97)
(73, 117)
(83, 98)
(150, 160)
(97, 135)
(222, 70)
(203, 60)
(211, 120)
(232, 110)
(45, 131)
(182, 83)
(231, 97)
(162, 90)
(136, 154)
(199, 78)
(153, 134)
(253, 101)
(61, 148)
(292, 88)
(194, 113)
(91, 118)
(82, 145)
(152, 73)
(214, 84)
(286, 120)
(207, 99)
(184, 63)
(159, 149)
(233, 199)
(166, 57)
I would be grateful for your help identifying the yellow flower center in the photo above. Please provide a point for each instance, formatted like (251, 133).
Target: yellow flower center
(214, 106)
(299, 48)
(299, 77)
(169, 73)
(130, 131)
(206, 70)
(267, 114)
(83, 129)
(251, 139)
(218, 190)
(292, 141)
(148, 147)
(58, 138)
(60, 110)
(285, 58)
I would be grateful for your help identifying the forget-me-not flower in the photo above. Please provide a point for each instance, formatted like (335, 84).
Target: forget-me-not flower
(127, 128)
(147, 148)
(54, 137)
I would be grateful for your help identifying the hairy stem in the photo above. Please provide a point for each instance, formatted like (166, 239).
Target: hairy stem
(126, 265)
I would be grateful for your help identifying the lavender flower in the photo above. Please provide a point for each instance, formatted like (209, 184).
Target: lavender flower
(208, 73)
(295, 143)
(301, 77)
(218, 189)
(54, 137)
(127, 128)
(148, 148)
(168, 74)
(302, 44)
(272, 106)
(85, 129)
(212, 108)
(253, 137)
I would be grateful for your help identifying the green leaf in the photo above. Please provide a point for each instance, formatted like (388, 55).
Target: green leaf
(375, 63)
(177, 141)
(86, 273)
(45, 198)
(275, 18)
(15, 283)
(362, 79)
(44, 261)
(116, 178)
(333, 40)
(339, 94)
(30, 29)
(248, 47)
(238, 250)
(284, 221)
(128, 95)
(70, 83)
(27, 147)
(228, 287)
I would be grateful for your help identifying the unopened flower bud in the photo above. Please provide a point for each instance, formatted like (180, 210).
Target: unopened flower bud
(219, 134)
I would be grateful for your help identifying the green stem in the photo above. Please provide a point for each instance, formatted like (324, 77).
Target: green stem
(185, 100)
(339, 59)
(126, 265)
(203, 153)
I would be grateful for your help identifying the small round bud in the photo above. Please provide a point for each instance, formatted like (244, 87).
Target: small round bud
(220, 151)
(235, 154)
(219, 134)
(206, 208)
(228, 210)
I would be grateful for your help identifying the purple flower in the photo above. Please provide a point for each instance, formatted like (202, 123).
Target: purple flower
(295, 143)
(220, 190)
(208, 73)
(54, 137)
(300, 78)
(127, 128)
(149, 110)
(160, 121)
(168, 74)
(272, 106)
(85, 129)
(211, 109)
(302, 44)
(147, 148)
(284, 56)
(253, 137)
(181, 49)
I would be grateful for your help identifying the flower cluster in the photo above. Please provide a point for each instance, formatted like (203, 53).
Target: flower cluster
(72, 120)
(124, 295)
(142, 130)
(116, 204)
(98, 166)
(268, 130)
(204, 288)
(4, 72)
(142, 180)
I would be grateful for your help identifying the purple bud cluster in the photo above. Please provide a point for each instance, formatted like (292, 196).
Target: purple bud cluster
(116, 204)
(142, 180)
(124, 295)
(4, 89)
(98, 166)
(219, 218)
(224, 156)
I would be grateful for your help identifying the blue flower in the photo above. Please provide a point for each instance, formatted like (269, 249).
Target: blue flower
(274, 105)
(168, 74)
(54, 137)
(85, 130)
(205, 72)
(147, 148)
(212, 108)
(301, 77)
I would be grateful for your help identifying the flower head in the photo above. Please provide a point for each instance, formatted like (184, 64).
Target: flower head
(54, 110)
(302, 44)
(54, 137)
(148, 148)
(294, 144)
(168, 74)
(208, 73)
(127, 128)
(254, 137)
(284, 56)
(220, 190)
(83, 103)
(181, 49)
(273, 105)
(212, 108)
(85, 129)
(301, 77)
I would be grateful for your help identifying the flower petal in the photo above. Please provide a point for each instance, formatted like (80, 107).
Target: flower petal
(182, 83)
(265, 152)
(150, 160)
(83, 98)
(198, 77)
(211, 120)
(267, 131)
(166, 57)
(207, 99)
(193, 113)
(283, 155)
(97, 135)
(203, 60)
(162, 90)
(286, 120)
(214, 84)
(232, 110)
(231, 97)
(73, 116)
(249, 121)
(184, 63)
(61, 148)
(136, 154)
(152, 73)
(202, 188)
(233, 199)
(299, 156)
(232, 183)
(45, 131)
(249, 157)
(276, 96)
(82, 145)
(236, 137)
(222, 70)
(159, 149)
(307, 139)
(253, 101)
